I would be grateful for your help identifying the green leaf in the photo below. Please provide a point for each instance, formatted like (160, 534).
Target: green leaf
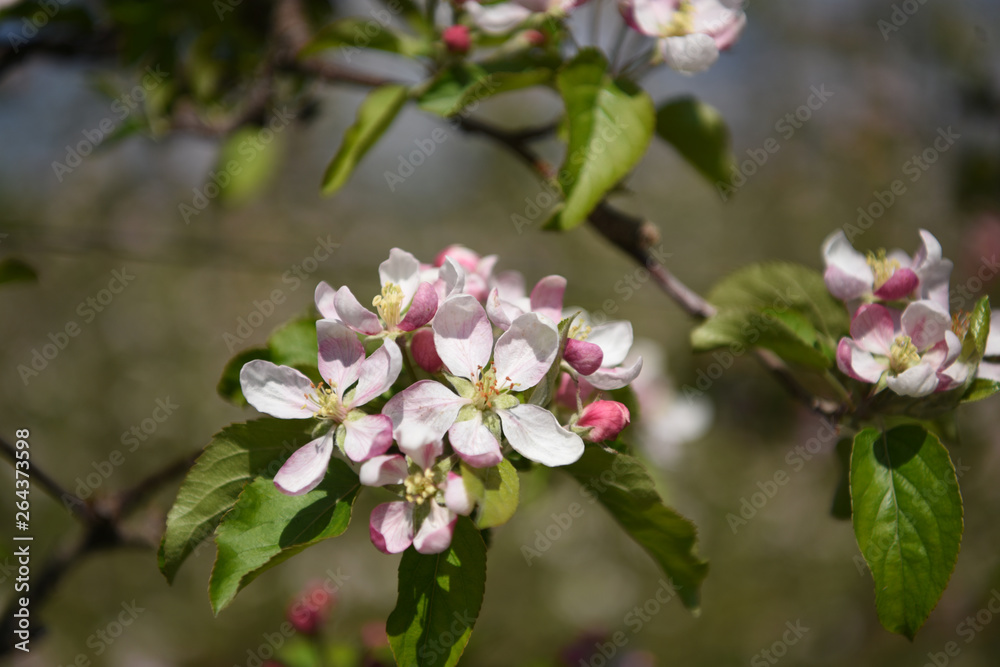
(13, 270)
(979, 329)
(464, 83)
(249, 163)
(495, 490)
(624, 487)
(439, 600)
(229, 386)
(610, 125)
(267, 527)
(235, 455)
(841, 507)
(374, 117)
(700, 135)
(354, 33)
(746, 328)
(907, 513)
(295, 343)
(980, 389)
(779, 286)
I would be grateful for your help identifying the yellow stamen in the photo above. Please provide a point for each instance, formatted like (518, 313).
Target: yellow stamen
(389, 304)
(882, 267)
(903, 355)
(420, 486)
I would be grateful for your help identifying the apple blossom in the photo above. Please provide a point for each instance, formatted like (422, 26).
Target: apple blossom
(286, 393)
(502, 17)
(690, 33)
(478, 270)
(904, 352)
(406, 302)
(602, 420)
(485, 406)
(419, 519)
(885, 276)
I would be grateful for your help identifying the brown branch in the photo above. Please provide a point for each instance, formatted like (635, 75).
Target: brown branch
(80, 509)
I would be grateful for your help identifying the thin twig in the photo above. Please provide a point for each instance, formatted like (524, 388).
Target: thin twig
(79, 508)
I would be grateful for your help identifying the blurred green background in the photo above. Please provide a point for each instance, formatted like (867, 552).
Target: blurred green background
(163, 337)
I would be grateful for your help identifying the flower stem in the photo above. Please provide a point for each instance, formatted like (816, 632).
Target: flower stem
(406, 360)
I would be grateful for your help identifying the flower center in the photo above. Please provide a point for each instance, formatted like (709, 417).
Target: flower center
(882, 267)
(420, 486)
(960, 323)
(682, 22)
(487, 388)
(903, 355)
(326, 404)
(389, 304)
(580, 331)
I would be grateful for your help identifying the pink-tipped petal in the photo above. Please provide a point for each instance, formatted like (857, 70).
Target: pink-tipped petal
(920, 380)
(463, 336)
(436, 530)
(325, 296)
(547, 297)
(474, 443)
(510, 285)
(423, 351)
(377, 373)
(615, 340)
(354, 315)
(278, 391)
(383, 470)
(925, 322)
(652, 18)
(422, 413)
(583, 356)
(525, 352)
(401, 269)
(858, 363)
(456, 497)
(452, 275)
(534, 432)
(848, 275)
(495, 309)
(872, 328)
(422, 308)
(609, 379)
(391, 527)
(464, 257)
(366, 437)
(899, 286)
(306, 467)
(340, 355)
(425, 456)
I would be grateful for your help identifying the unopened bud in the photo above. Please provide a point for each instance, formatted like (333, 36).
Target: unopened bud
(603, 419)
(424, 352)
(456, 39)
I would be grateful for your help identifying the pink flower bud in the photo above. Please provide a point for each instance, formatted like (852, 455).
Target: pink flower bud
(467, 259)
(456, 39)
(309, 611)
(535, 37)
(424, 352)
(605, 419)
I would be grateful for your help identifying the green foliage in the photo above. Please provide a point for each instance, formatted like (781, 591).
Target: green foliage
(13, 270)
(293, 344)
(907, 513)
(344, 34)
(267, 527)
(979, 329)
(610, 123)
(627, 491)
(234, 456)
(249, 162)
(462, 84)
(980, 389)
(745, 328)
(374, 117)
(699, 133)
(438, 594)
(495, 490)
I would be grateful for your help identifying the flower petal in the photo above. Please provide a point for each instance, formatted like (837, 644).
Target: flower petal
(279, 391)
(510, 284)
(383, 470)
(325, 296)
(354, 315)
(899, 286)
(689, 54)
(456, 497)
(858, 363)
(463, 336)
(933, 270)
(377, 373)
(366, 437)
(547, 297)
(525, 352)
(422, 413)
(925, 322)
(422, 308)
(423, 351)
(306, 467)
(340, 355)
(920, 380)
(583, 356)
(452, 274)
(472, 441)
(609, 379)
(496, 310)
(401, 269)
(436, 530)
(872, 328)
(848, 275)
(614, 339)
(391, 527)
(497, 19)
(425, 455)
(534, 432)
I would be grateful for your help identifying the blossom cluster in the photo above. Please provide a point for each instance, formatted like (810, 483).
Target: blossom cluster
(689, 34)
(485, 348)
(903, 334)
